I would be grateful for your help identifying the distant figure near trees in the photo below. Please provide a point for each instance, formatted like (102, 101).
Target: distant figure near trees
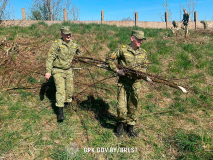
(175, 24)
(174, 27)
(185, 21)
(204, 24)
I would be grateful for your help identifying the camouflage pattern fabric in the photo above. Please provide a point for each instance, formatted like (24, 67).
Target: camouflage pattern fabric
(205, 24)
(185, 23)
(128, 89)
(138, 34)
(64, 85)
(58, 63)
(128, 57)
(61, 55)
(175, 24)
(127, 96)
(185, 28)
(185, 19)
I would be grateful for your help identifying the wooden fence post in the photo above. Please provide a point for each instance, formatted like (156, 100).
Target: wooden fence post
(166, 19)
(102, 16)
(65, 15)
(136, 18)
(23, 14)
(195, 19)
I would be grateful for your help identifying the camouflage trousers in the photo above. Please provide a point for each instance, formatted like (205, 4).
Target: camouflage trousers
(64, 85)
(185, 28)
(127, 102)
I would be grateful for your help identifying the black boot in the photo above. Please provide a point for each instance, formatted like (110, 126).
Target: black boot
(60, 116)
(67, 104)
(130, 132)
(119, 129)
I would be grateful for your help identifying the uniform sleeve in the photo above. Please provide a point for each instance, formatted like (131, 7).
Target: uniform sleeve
(112, 59)
(144, 62)
(51, 57)
(183, 17)
(78, 50)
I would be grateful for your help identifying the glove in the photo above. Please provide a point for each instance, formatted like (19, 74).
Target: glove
(120, 72)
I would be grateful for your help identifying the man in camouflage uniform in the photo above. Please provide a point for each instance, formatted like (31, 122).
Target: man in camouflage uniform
(175, 24)
(128, 88)
(185, 21)
(205, 24)
(58, 65)
(174, 27)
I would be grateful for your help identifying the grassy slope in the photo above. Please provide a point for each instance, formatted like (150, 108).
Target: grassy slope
(171, 125)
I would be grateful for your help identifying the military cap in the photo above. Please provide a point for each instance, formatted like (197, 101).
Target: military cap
(138, 34)
(65, 30)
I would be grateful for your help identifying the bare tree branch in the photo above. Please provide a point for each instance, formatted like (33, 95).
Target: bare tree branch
(52, 10)
(3, 4)
(165, 6)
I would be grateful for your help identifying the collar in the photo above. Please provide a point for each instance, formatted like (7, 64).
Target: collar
(129, 48)
(66, 44)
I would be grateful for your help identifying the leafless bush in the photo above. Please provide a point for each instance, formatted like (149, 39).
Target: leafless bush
(52, 10)
(3, 4)
(18, 66)
(165, 6)
(191, 4)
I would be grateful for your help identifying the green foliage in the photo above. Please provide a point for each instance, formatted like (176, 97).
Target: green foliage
(155, 69)
(149, 95)
(183, 61)
(150, 107)
(210, 67)
(191, 145)
(13, 31)
(33, 27)
(189, 48)
(152, 32)
(112, 45)
(32, 80)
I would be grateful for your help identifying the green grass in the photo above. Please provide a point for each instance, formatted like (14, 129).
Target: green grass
(171, 125)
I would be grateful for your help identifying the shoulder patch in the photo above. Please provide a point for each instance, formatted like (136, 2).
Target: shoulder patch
(124, 46)
(61, 46)
(144, 50)
(50, 50)
(113, 54)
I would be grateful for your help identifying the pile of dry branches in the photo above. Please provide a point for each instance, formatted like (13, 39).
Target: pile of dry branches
(18, 67)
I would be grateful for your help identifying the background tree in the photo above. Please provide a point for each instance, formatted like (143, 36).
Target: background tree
(52, 10)
(191, 4)
(3, 4)
(72, 10)
(127, 19)
(166, 9)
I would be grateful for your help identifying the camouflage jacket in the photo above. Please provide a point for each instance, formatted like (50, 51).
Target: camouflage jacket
(61, 55)
(128, 57)
(185, 18)
(175, 24)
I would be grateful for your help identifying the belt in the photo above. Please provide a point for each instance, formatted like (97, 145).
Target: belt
(61, 68)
